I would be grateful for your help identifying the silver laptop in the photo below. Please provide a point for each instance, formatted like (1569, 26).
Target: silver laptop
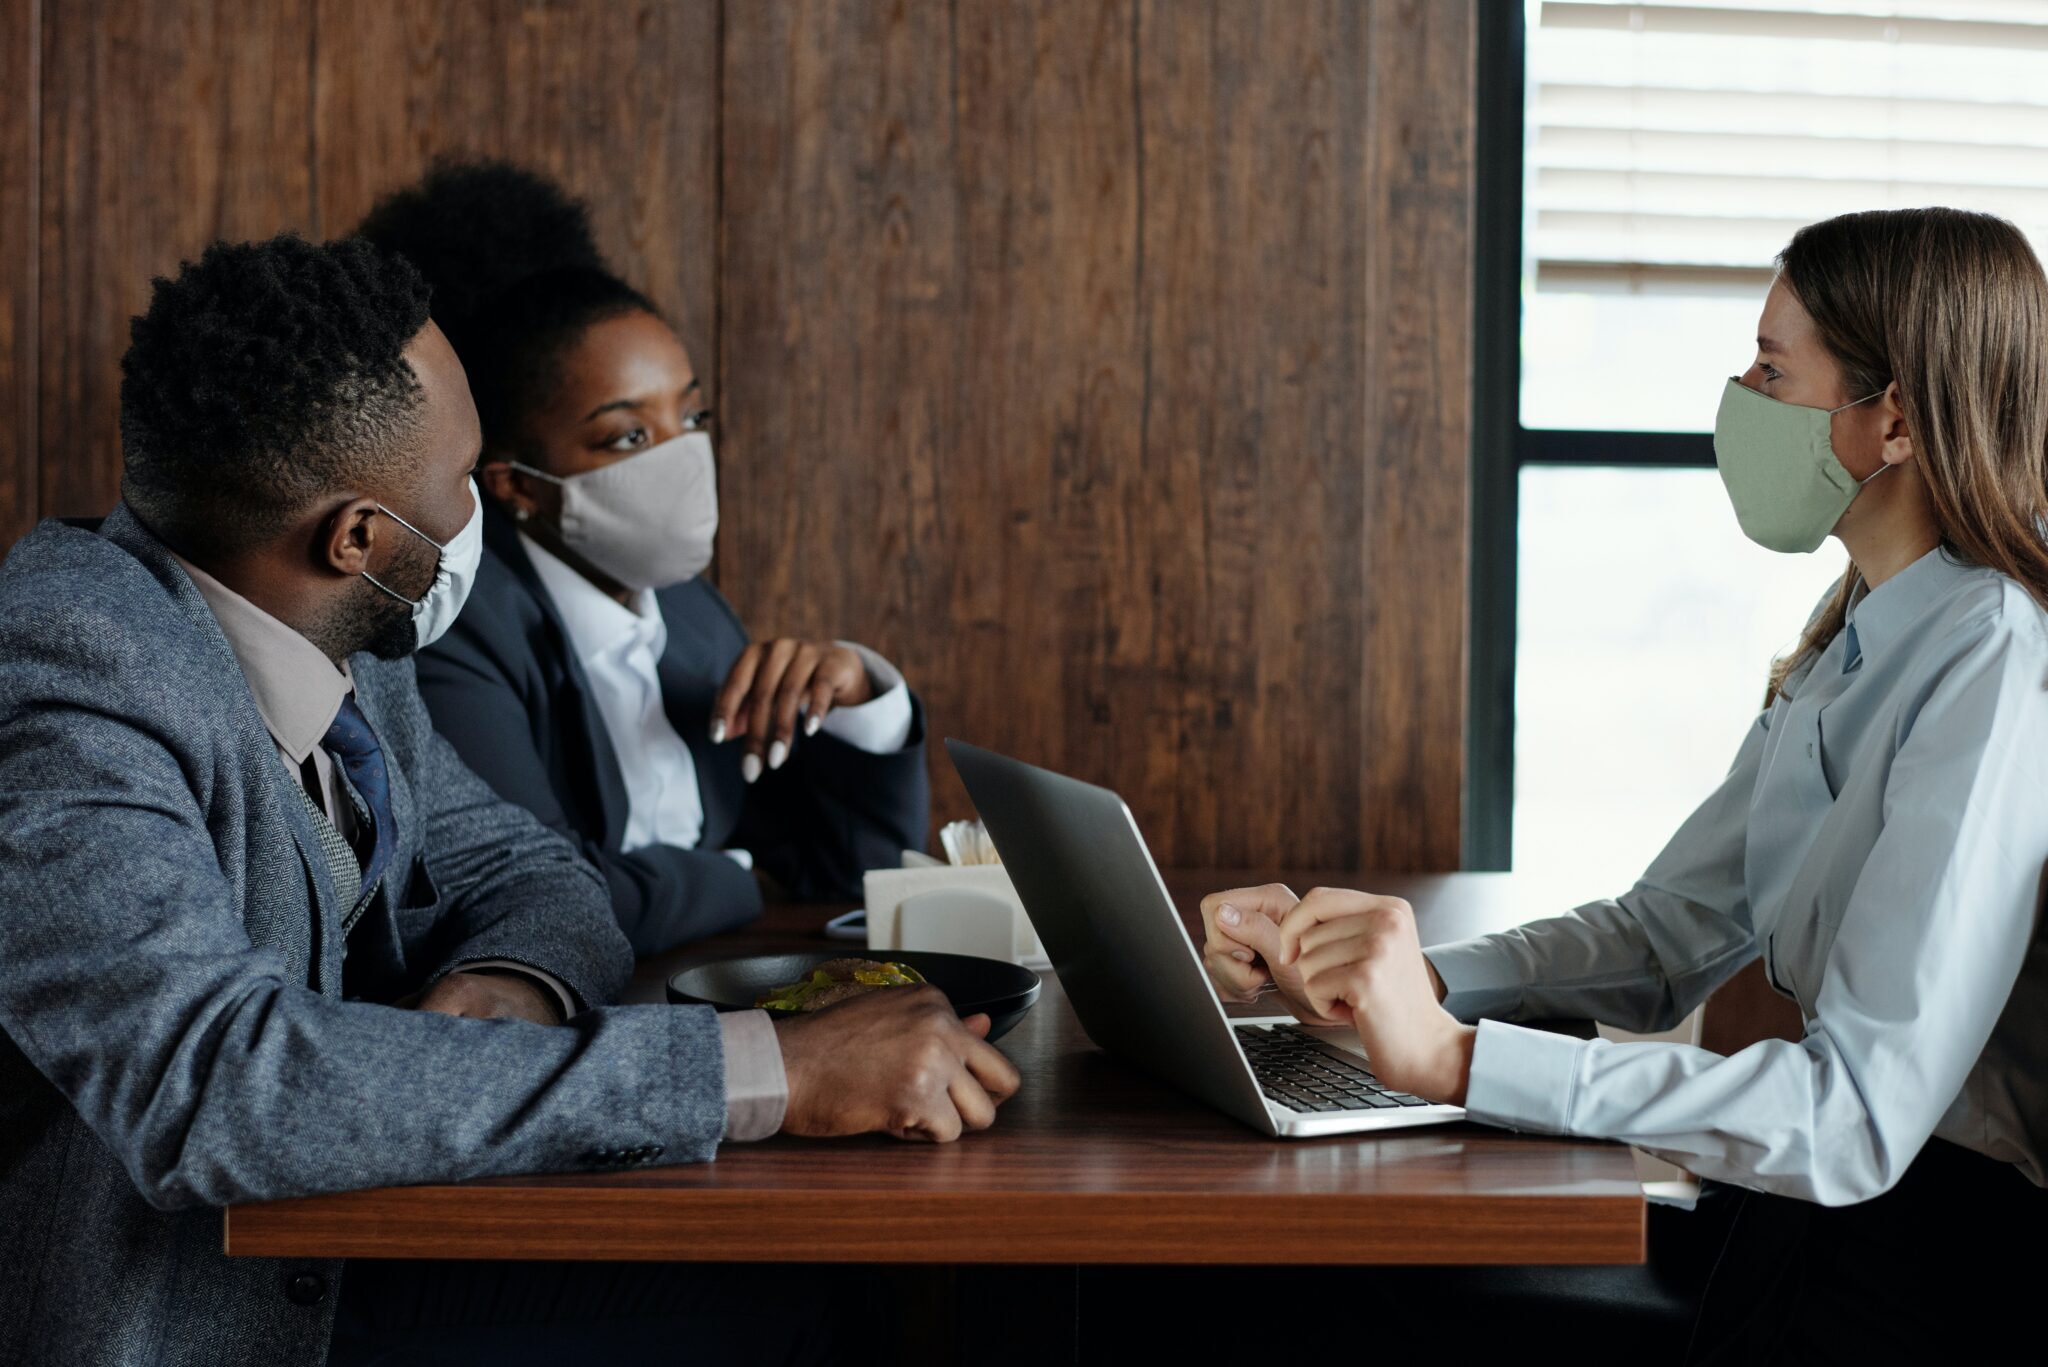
(1136, 979)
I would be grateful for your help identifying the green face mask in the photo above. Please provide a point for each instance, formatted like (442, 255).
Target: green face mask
(1788, 487)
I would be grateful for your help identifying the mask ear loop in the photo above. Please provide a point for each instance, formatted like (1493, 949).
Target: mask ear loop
(1853, 402)
(521, 514)
(1883, 465)
(524, 468)
(441, 553)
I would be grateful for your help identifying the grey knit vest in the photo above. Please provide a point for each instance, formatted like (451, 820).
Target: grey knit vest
(342, 865)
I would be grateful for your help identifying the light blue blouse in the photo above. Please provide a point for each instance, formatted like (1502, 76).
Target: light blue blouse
(1882, 841)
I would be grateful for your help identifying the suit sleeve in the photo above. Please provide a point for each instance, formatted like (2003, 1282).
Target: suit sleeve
(660, 896)
(512, 892)
(128, 980)
(834, 811)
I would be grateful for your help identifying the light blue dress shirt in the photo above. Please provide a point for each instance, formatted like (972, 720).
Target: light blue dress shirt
(1881, 841)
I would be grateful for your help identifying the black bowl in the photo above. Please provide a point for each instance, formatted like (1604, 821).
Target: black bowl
(1001, 991)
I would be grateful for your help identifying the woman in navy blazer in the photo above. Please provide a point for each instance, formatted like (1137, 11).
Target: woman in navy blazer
(594, 676)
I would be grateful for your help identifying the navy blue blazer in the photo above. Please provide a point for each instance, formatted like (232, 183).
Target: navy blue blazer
(506, 688)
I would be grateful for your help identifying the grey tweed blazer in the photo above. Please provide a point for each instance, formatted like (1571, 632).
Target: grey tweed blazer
(179, 1027)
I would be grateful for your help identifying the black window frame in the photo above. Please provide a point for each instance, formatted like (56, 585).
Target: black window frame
(1501, 446)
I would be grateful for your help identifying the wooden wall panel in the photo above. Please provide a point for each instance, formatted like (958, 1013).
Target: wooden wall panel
(927, 374)
(20, 149)
(1103, 361)
(1250, 486)
(165, 125)
(1058, 364)
(617, 101)
(1418, 344)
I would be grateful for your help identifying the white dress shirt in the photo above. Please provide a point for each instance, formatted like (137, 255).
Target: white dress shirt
(620, 648)
(1881, 842)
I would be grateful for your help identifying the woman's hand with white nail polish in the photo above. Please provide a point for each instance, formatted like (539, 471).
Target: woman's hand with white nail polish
(773, 684)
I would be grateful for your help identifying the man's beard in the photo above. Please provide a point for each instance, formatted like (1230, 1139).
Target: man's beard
(392, 636)
(375, 621)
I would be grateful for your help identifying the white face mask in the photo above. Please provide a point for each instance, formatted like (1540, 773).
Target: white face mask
(434, 611)
(649, 520)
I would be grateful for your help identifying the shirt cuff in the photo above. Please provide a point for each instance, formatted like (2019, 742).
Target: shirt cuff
(756, 1087)
(563, 1001)
(881, 725)
(1480, 979)
(1523, 1079)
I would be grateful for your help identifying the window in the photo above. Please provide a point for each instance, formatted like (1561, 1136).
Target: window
(1646, 623)
(1641, 164)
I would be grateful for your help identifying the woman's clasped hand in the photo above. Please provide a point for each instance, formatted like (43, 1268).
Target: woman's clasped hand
(1338, 957)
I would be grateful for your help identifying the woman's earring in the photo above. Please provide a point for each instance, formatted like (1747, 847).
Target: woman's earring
(519, 514)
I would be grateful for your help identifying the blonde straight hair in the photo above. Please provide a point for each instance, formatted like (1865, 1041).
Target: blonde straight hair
(1954, 307)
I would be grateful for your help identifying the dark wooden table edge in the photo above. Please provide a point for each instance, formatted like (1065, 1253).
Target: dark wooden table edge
(1146, 1228)
(633, 1222)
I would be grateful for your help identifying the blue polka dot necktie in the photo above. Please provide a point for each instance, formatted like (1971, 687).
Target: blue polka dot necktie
(351, 741)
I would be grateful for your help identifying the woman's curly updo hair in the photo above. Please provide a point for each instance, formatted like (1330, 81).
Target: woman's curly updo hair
(517, 279)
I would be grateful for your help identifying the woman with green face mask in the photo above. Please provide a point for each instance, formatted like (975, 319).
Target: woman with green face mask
(1880, 842)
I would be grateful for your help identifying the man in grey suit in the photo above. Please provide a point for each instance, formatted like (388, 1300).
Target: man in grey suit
(233, 851)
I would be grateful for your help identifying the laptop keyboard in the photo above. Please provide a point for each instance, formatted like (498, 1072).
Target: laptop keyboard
(1294, 1069)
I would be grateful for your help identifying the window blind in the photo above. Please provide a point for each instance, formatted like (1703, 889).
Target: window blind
(1682, 144)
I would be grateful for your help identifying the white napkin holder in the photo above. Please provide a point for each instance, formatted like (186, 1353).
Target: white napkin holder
(951, 909)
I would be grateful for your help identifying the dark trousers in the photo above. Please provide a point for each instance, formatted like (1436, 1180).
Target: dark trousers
(512, 1314)
(1947, 1261)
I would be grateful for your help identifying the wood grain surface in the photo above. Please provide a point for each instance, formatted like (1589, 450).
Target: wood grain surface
(1090, 1163)
(617, 101)
(165, 125)
(20, 187)
(1102, 362)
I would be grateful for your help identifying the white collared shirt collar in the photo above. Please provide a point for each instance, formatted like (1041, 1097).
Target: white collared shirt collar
(599, 626)
(297, 688)
(1878, 617)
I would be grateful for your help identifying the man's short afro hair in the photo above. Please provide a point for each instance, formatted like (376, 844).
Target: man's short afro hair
(263, 376)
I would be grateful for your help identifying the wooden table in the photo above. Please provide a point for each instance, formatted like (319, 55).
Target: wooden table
(1090, 1163)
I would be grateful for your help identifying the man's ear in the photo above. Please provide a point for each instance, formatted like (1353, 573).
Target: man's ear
(1896, 443)
(348, 536)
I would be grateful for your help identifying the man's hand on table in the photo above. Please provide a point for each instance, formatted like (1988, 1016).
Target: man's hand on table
(488, 996)
(897, 1061)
